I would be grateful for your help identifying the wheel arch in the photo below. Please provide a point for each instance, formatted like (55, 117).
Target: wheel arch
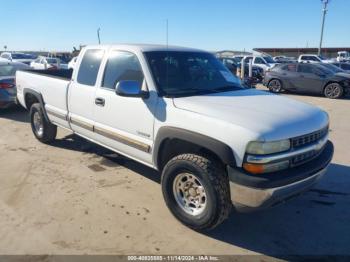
(275, 78)
(181, 141)
(31, 97)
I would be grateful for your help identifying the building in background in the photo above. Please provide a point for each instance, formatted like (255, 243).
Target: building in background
(329, 52)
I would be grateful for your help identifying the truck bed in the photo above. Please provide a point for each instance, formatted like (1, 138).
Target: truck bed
(61, 73)
(52, 85)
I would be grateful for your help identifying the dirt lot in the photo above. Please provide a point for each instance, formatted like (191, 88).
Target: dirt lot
(77, 198)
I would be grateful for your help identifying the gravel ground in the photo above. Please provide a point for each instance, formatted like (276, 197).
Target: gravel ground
(74, 197)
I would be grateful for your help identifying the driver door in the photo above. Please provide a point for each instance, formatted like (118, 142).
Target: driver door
(125, 124)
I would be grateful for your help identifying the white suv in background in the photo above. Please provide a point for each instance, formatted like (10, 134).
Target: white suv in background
(306, 58)
(42, 63)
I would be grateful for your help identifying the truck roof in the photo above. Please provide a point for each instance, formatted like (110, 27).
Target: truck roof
(147, 47)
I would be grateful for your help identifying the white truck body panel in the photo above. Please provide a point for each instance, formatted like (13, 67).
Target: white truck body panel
(234, 118)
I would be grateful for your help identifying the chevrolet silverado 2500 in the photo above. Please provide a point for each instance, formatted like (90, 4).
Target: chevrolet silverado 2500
(216, 144)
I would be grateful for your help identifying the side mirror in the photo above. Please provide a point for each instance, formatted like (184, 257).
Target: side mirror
(130, 88)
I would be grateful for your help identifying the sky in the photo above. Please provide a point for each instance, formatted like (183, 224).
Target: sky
(53, 25)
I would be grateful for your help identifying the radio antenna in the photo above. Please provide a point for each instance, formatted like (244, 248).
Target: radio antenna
(167, 53)
(167, 33)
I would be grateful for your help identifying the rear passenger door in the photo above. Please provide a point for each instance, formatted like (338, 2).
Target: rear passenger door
(82, 92)
(125, 124)
(289, 75)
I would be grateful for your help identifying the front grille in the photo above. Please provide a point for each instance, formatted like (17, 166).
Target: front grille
(308, 139)
(303, 158)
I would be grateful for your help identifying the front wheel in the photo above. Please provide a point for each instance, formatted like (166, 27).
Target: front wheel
(196, 190)
(333, 91)
(43, 130)
(275, 86)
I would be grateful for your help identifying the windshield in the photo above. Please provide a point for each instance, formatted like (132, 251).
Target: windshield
(332, 68)
(324, 69)
(51, 60)
(20, 56)
(269, 60)
(190, 73)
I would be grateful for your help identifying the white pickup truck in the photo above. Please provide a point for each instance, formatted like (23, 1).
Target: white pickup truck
(216, 144)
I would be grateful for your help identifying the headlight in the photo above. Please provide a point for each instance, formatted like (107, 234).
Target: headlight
(346, 83)
(265, 148)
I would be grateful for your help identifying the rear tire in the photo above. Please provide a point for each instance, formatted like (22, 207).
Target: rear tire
(275, 86)
(42, 129)
(196, 190)
(333, 91)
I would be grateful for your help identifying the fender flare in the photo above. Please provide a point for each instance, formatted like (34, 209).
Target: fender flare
(222, 150)
(39, 97)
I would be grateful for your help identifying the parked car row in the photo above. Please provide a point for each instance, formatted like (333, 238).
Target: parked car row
(18, 57)
(51, 61)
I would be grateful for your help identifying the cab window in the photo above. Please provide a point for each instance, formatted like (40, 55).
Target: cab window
(121, 66)
(259, 60)
(89, 67)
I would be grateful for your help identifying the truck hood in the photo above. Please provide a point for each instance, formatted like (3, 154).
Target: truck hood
(271, 117)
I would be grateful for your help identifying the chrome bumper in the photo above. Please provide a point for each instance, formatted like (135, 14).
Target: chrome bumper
(247, 199)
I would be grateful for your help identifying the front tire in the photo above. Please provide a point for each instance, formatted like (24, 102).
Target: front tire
(43, 130)
(275, 86)
(196, 190)
(333, 91)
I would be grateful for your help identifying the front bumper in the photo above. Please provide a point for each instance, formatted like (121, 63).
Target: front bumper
(249, 192)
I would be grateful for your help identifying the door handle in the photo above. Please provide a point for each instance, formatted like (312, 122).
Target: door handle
(100, 101)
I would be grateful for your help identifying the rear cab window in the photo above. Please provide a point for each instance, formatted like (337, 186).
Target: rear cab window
(90, 66)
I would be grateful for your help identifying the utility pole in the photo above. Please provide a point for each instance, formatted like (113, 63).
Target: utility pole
(98, 35)
(324, 11)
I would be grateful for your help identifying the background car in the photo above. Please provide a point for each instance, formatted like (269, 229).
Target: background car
(232, 65)
(264, 62)
(18, 57)
(310, 58)
(307, 78)
(42, 63)
(72, 62)
(284, 59)
(7, 82)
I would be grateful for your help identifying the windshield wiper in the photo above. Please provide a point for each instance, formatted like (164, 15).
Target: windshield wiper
(198, 91)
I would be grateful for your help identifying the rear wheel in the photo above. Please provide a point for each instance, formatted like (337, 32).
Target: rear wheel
(275, 86)
(333, 91)
(43, 130)
(196, 190)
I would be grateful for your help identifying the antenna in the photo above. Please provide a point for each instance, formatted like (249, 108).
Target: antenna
(98, 35)
(324, 10)
(167, 33)
(167, 53)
